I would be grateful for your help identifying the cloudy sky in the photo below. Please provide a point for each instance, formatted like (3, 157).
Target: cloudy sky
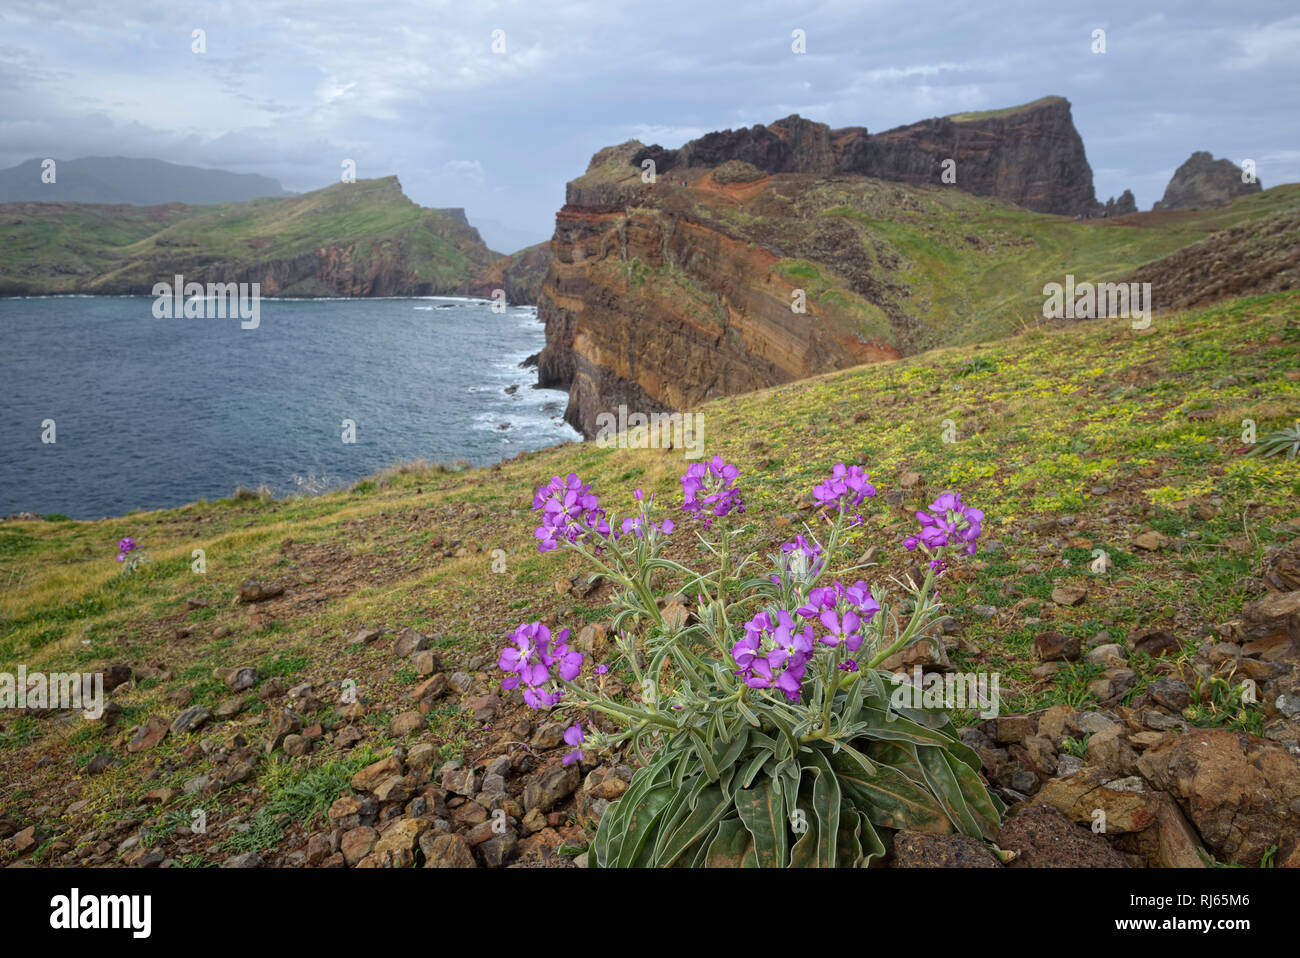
(291, 89)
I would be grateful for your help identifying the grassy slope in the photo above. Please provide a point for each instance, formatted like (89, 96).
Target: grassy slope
(1042, 421)
(976, 268)
(972, 268)
(75, 247)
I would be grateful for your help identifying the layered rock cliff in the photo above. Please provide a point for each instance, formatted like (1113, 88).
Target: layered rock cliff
(758, 256)
(1203, 182)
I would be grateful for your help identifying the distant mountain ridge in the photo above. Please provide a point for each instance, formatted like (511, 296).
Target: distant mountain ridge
(132, 181)
(351, 239)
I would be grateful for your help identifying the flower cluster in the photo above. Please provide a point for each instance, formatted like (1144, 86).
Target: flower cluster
(639, 525)
(531, 659)
(842, 612)
(570, 511)
(709, 490)
(124, 548)
(774, 655)
(949, 521)
(845, 489)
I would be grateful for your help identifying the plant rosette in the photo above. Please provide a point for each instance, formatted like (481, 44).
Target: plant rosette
(767, 733)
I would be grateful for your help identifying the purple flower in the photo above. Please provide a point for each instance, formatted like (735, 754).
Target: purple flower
(573, 736)
(708, 492)
(602, 669)
(570, 511)
(123, 547)
(530, 660)
(845, 489)
(948, 522)
(842, 612)
(774, 656)
(848, 665)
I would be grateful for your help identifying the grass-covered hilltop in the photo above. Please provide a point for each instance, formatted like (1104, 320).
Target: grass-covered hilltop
(363, 238)
(326, 691)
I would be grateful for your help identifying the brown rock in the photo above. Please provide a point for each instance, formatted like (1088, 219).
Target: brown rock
(443, 850)
(1154, 642)
(1241, 793)
(153, 731)
(926, 850)
(404, 836)
(1069, 594)
(1151, 541)
(1125, 803)
(1043, 837)
(371, 776)
(1056, 647)
(357, 843)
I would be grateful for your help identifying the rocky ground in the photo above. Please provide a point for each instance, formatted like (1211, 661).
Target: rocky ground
(325, 694)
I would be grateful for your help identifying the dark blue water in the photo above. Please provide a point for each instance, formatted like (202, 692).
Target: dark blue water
(151, 413)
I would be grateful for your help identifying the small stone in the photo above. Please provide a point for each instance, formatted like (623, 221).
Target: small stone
(404, 724)
(1056, 647)
(1151, 541)
(149, 734)
(251, 590)
(357, 843)
(984, 611)
(296, 745)
(551, 786)
(442, 850)
(246, 860)
(1108, 656)
(191, 720)
(1068, 595)
(410, 641)
(243, 677)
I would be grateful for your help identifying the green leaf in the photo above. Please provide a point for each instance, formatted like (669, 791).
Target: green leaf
(751, 768)
(640, 825)
(943, 783)
(889, 798)
(709, 806)
(872, 846)
(762, 810)
(804, 853)
(679, 808)
(984, 805)
(731, 754)
(826, 803)
(731, 847)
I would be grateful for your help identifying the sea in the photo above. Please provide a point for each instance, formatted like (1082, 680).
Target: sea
(106, 408)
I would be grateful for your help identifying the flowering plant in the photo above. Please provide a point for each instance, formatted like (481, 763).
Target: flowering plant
(767, 732)
(131, 554)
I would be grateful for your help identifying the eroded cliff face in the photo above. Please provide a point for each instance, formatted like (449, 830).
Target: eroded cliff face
(664, 293)
(655, 301)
